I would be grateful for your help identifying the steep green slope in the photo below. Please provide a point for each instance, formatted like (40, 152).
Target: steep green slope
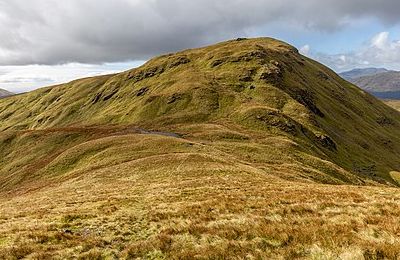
(261, 87)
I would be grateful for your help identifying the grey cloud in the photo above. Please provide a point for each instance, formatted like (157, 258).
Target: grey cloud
(96, 31)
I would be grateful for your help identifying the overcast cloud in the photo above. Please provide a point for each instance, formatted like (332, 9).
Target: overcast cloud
(46, 42)
(96, 31)
(28, 77)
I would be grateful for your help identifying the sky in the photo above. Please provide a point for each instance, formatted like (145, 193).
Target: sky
(46, 42)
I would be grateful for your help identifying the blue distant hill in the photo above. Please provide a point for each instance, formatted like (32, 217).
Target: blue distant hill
(380, 82)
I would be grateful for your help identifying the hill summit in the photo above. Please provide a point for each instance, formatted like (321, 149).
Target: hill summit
(251, 89)
(200, 152)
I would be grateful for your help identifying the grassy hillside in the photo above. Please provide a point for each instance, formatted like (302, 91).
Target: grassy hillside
(179, 210)
(232, 150)
(260, 87)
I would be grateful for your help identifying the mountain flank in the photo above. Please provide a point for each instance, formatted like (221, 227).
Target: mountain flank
(381, 83)
(5, 93)
(240, 149)
(358, 73)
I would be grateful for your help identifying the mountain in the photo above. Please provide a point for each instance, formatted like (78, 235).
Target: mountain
(243, 149)
(381, 83)
(5, 93)
(357, 73)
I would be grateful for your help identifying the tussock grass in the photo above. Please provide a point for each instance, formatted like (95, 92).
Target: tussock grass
(170, 208)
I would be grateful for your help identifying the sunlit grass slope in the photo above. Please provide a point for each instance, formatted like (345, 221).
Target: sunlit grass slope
(232, 150)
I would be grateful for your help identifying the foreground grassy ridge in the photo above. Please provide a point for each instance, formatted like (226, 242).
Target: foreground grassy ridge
(163, 205)
(120, 194)
(42, 156)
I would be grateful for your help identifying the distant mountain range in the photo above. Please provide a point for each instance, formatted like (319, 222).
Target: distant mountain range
(380, 82)
(358, 73)
(5, 93)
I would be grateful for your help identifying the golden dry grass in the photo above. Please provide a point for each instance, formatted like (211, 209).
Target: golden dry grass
(208, 213)
(192, 202)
